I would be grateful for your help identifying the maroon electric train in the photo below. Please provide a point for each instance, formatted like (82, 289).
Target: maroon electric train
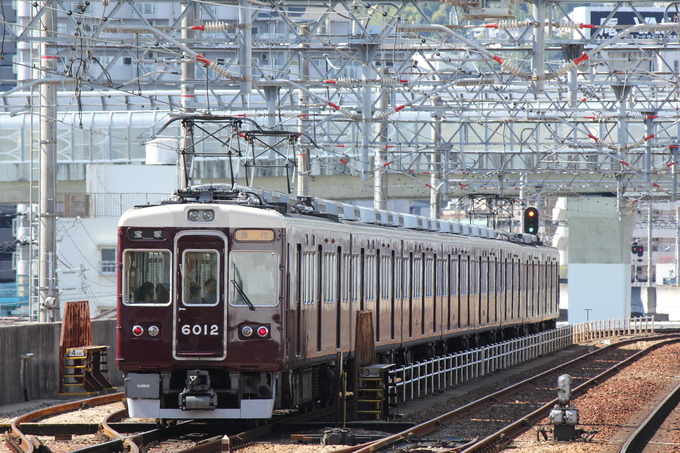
(234, 303)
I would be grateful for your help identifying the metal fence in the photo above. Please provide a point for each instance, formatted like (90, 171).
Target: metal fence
(593, 330)
(435, 375)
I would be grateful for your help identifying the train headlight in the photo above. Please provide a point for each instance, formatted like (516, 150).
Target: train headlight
(209, 215)
(194, 215)
(154, 331)
(246, 331)
(262, 331)
(137, 331)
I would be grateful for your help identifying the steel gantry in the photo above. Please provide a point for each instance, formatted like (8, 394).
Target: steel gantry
(496, 97)
(462, 98)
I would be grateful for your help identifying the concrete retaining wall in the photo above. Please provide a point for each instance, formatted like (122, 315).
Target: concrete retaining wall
(42, 377)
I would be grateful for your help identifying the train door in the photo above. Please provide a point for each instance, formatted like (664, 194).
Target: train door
(199, 308)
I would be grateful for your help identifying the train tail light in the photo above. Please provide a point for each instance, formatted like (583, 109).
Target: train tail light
(137, 331)
(262, 331)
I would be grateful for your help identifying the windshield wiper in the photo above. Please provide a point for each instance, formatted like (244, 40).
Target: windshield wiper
(243, 295)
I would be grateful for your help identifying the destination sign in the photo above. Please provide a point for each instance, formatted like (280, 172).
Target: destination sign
(254, 235)
(145, 234)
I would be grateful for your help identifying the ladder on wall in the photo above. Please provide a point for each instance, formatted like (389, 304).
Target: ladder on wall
(86, 371)
(371, 391)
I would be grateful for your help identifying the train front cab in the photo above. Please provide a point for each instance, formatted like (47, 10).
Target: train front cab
(215, 349)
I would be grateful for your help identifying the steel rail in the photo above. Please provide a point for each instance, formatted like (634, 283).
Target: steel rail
(30, 445)
(214, 444)
(434, 424)
(132, 443)
(519, 426)
(637, 442)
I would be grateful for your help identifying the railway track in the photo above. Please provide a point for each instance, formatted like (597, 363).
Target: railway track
(156, 438)
(588, 370)
(646, 431)
(21, 442)
(494, 440)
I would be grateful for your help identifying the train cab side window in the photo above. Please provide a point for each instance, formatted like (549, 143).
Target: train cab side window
(146, 277)
(200, 285)
(254, 278)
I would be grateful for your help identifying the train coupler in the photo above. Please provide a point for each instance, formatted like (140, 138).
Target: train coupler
(198, 395)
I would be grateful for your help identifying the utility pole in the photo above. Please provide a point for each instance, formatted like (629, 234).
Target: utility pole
(380, 175)
(47, 292)
(188, 99)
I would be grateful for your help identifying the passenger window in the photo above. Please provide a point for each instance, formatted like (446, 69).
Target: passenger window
(254, 278)
(146, 277)
(200, 283)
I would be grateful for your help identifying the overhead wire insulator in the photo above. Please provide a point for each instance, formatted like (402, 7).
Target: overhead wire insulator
(563, 70)
(250, 114)
(346, 80)
(291, 114)
(601, 117)
(213, 26)
(348, 164)
(508, 67)
(567, 25)
(383, 115)
(343, 111)
(393, 81)
(510, 24)
(569, 66)
(215, 67)
(256, 114)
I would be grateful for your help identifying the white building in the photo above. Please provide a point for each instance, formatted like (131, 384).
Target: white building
(86, 246)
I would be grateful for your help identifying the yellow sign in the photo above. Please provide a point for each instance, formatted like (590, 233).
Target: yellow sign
(254, 235)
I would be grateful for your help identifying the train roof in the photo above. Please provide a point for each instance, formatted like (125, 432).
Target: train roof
(237, 216)
(276, 205)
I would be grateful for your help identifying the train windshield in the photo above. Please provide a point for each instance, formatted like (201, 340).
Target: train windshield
(147, 277)
(200, 269)
(253, 278)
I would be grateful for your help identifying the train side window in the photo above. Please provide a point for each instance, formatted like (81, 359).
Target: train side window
(397, 275)
(356, 278)
(330, 271)
(146, 276)
(346, 280)
(200, 285)
(441, 281)
(417, 276)
(429, 276)
(370, 276)
(386, 277)
(254, 278)
(405, 280)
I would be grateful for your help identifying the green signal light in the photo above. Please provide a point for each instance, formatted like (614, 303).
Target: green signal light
(530, 223)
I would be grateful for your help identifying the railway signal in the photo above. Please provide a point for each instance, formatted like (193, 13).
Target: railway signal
(531, 221)
(638, 250)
